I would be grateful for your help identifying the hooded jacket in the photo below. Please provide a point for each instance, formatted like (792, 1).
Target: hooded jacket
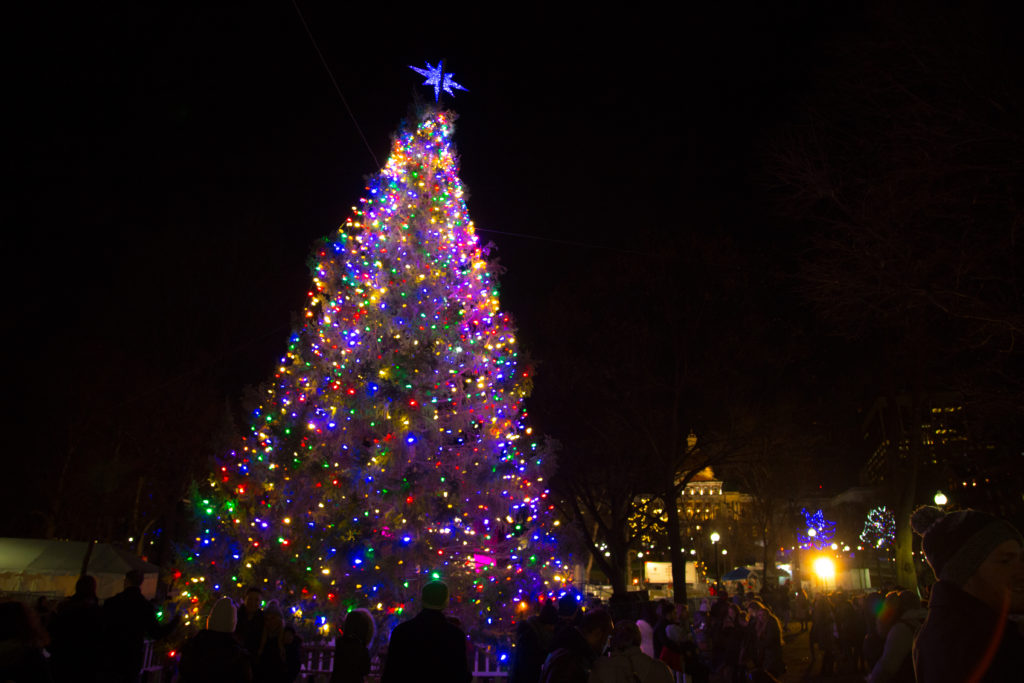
(963, 639)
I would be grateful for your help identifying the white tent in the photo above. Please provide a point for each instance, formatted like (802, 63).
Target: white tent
(45, 567)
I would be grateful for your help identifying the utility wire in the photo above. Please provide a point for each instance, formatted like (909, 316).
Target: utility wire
(377, 163)
(335, 82)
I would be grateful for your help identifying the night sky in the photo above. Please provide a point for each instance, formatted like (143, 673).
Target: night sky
(172, 166)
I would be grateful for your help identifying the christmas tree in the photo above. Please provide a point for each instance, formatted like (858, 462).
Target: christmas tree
(879, 528)
(391, 445)
(820, 531)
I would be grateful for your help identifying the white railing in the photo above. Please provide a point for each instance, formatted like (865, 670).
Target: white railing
(486, 664)
(152, 668)
(318, 663)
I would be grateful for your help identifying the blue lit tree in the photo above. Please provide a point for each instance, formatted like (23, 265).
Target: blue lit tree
(819, 532)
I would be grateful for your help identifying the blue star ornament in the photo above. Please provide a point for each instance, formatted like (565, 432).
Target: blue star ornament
(438, 78)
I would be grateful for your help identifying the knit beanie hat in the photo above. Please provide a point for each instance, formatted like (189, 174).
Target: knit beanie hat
(956, 544)
(435, 595)
(223, 617)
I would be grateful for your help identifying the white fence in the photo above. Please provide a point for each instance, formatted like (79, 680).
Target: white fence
(318, 662)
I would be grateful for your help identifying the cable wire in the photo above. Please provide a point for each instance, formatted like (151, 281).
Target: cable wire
(335, 82)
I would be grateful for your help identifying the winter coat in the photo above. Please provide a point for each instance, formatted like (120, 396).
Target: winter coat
(75, 640)
(896, 664)
(660, 639)
(630, 666)
(767, 647)
(801, 608)
(533, 642)
(249, 628)
(128, 619)
(672, 656)
(351, 660)
(275, 661)
(571, 659)
(964, 639)
(429, 649)
(213, 657)
(824, 631)
(23, 663)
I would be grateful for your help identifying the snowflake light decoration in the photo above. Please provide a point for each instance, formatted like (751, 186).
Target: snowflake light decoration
(438, 78)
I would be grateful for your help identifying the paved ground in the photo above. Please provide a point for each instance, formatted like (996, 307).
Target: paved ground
(798, 661)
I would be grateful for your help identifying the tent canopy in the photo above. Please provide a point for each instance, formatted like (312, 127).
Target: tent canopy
(738, 574)
(34, 565)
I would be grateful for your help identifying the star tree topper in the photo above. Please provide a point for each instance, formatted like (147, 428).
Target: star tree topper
(438, 78)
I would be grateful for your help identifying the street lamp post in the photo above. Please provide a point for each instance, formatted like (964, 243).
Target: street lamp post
(718, 572)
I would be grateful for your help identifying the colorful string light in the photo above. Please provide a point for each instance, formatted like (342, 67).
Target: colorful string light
(391, 445)
(879, 528)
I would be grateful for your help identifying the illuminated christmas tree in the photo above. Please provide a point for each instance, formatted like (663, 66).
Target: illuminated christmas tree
(391, 444)
(819, 531)
(879, 528)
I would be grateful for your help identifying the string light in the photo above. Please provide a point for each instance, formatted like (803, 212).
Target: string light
(819, 531)
(391, 444)
(879, 528)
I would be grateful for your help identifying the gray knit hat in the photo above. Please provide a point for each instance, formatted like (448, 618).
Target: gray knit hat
(222, 617)
(956, 544)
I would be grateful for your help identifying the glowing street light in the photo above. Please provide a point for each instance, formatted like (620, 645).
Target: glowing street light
(940, 498)
(825, 568)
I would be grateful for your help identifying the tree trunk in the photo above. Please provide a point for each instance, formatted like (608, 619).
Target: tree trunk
(675, 543)
(613, 564)
(135, 508)
(590, 556)
(139, 545)
(906, 493)
(615, 569)
(53, 517)
(765, 573)
(903, 546)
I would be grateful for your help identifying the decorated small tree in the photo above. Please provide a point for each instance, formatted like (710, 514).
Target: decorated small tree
(391, 445)
(879, 528)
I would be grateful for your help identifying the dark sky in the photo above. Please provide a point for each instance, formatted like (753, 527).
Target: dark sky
(173, 156)
(171, 165)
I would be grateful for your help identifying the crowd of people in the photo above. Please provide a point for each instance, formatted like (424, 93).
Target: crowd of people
(86, 642)
(970, 627)
(969, 631)
(80, 640)
(724, 641)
